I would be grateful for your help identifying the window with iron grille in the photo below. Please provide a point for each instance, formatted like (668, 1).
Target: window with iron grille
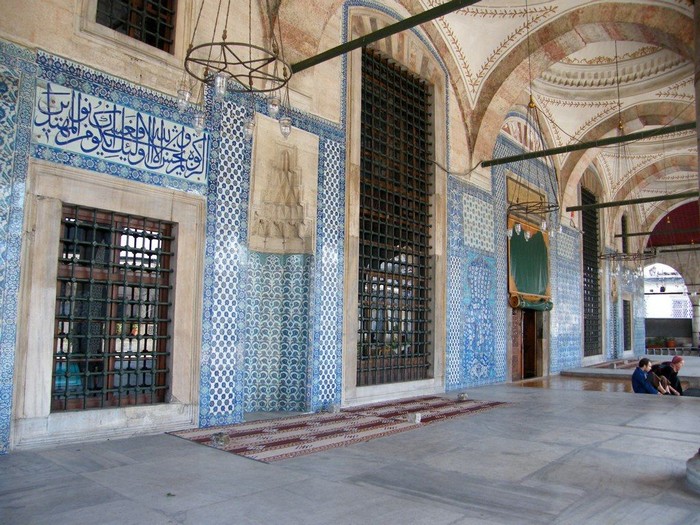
(112, 326)
(394, 282)
(627, 325)
(591, 280)
(149, 21)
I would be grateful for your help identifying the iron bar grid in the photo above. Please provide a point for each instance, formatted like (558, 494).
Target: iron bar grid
(148, 21)
(626, 325)
(113, 304)
(394, 288)
(592, 333)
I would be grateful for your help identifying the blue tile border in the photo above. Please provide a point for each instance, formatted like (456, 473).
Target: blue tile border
(17, 64)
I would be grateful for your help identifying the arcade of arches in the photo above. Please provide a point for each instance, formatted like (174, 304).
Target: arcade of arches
(216, 267)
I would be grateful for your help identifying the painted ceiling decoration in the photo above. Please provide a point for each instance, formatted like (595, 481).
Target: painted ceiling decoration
(499, 29)
(588, 65)
(581, 54)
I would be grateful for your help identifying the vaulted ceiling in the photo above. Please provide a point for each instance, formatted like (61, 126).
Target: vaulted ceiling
(589, 66)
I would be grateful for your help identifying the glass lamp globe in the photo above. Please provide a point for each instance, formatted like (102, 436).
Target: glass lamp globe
(249, 128)
(273, 105)
(199, 122)
(183, 98)
(220, 84)
(285, 126)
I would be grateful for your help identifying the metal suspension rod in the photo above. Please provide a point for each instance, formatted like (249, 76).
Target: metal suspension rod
(591, 144)
(658, 234)
(407, 23)
(686, 195)
(660, 250)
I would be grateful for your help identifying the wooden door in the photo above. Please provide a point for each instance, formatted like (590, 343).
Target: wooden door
(516, 344)
(529, 344)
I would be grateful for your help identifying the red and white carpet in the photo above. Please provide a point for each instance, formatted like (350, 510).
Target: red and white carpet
(273, 440)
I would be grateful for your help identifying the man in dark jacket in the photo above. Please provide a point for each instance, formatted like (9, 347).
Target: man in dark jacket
(640, 384)
(669, 370)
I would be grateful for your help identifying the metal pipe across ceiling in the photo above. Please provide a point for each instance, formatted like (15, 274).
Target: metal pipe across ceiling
(598, 205)
(402, 25)
(657, 132)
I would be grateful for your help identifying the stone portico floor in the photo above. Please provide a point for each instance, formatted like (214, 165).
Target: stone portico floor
(552, 455)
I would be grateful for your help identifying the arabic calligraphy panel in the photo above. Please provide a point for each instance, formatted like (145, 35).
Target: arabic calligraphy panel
(73, 121)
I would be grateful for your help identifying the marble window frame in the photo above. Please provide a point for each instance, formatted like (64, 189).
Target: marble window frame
(411, 52)
(87, 27)
(49, 186)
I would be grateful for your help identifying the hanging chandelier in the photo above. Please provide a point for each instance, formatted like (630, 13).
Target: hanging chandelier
(238, 66)
(543, 179)
(623, 256)
(628, 257)
(535, 206)
(623, 168)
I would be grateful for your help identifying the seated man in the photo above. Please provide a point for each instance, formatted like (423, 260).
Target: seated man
(669, 370)
(640, 383)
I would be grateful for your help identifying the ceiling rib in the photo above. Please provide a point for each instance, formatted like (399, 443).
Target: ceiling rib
(402, 25)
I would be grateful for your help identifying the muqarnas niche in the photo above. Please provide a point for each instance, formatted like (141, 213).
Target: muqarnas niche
(284, 190)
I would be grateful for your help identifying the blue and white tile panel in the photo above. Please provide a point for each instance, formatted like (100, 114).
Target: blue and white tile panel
(473, 355)
(17, 78)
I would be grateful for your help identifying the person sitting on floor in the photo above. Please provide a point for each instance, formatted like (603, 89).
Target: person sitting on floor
(640, 382)
(669, 370)
(661, 384)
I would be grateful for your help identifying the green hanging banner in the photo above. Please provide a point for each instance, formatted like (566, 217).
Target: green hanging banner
(528, 267)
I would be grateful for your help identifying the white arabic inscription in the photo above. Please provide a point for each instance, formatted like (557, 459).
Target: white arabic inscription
(73, 121)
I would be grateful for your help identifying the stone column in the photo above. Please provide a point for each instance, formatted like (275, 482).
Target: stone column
(696, 320)
(693, 464)
(695, 300)
(692, 472)
(697, 71)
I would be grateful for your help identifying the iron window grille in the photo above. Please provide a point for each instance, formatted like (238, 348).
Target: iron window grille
(113, 304)
(591, 278)
(394, 281)
(627, 325)
(149, 21)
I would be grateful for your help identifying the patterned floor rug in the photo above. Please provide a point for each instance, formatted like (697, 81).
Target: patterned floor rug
(273, 440)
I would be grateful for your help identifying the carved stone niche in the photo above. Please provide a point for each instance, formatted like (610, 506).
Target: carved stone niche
(284, 185)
